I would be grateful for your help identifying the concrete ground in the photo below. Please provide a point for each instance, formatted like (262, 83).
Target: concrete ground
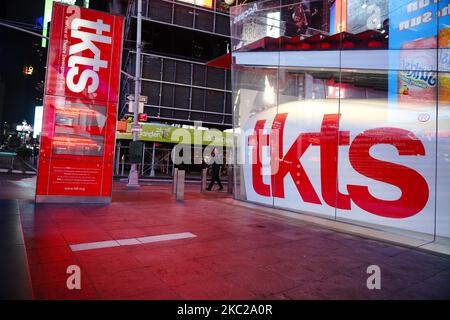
(237, 253)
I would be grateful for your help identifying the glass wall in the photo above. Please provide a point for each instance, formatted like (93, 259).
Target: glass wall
(342, 109)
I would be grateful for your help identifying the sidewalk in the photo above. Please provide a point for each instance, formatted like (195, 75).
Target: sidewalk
(233, 252)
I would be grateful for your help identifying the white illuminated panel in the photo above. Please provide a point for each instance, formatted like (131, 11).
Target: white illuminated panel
(362, 59)
(37, 124)
(48, 15)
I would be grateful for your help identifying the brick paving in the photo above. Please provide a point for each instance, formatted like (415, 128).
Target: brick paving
(239, 253)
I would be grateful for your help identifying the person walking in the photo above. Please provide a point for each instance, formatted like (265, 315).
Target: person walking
(215, 170)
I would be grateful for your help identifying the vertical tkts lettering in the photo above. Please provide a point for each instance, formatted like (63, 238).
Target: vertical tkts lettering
(413, 187)
(88, 40)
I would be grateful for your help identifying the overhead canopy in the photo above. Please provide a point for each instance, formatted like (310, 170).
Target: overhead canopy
(366, 40)
(223, 62)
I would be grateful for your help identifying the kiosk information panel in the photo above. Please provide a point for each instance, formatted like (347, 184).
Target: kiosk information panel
(80, 106)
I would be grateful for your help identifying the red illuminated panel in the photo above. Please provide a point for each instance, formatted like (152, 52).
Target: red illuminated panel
(71, 178)
(77, 154)
(84, 54)
(80, 106)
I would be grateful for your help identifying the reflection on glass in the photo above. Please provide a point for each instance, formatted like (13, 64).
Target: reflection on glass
(360, 91)
(79, 129)
(78, 145)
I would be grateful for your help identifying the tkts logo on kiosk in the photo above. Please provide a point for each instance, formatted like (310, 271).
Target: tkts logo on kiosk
(314, 159)
(86, 48)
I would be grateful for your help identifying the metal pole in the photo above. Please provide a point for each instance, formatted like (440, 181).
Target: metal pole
(23, 30)
(168, 162)
(152, 171)
(123, 165)
(12, 165)
(133, 179)
(117, 158)
(230, 180)
(179, 195)
(143, 159)
(174, 181)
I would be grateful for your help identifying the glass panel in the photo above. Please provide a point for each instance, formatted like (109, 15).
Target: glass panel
(254, 91)
(222, 24)
(79, 129)
(183, 16)
(199, 75)
(151, 91)
(443, 134)
(160, 10)
(183, 73)
(214, 101)
(358, 126)
(204, 20)
(151, 68)
(169, 70)
(215, 78)
(304, 178)
(387, 153)
(443, 158)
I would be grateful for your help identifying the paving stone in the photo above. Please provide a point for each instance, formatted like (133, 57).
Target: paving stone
(238, 253)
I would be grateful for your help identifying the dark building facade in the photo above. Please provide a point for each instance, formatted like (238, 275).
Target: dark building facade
(178, 39)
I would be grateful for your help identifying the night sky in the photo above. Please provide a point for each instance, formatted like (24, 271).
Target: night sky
(18, 49)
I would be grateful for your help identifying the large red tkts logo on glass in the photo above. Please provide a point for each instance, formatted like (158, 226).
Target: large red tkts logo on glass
(413, 187)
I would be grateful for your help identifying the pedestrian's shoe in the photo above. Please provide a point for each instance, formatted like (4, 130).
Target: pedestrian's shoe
(220, 189)
(208, 189)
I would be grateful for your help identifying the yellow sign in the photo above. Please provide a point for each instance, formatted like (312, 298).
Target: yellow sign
(28, 70)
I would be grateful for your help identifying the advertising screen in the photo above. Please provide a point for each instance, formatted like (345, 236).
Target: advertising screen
(80, 106)
(48, 14)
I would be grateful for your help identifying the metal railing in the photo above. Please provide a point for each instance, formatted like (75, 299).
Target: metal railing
(159, 165)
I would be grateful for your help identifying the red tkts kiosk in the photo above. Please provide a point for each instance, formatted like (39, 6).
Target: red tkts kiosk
(80, 106)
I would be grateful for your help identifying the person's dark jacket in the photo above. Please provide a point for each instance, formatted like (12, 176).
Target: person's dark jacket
(215, 169)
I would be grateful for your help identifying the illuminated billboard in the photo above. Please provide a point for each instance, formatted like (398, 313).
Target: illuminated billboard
(201, 3)
(37, 124)
(48, 14)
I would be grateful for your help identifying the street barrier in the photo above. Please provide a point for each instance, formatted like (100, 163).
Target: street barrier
(180, 185)
(230, 180)
(204, 179)
(174, 180)
(7, 160)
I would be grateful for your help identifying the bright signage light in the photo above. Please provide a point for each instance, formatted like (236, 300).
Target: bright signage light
(38, 112)
(48, 14)
(201, 3)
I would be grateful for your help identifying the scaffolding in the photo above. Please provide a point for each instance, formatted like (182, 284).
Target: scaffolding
(179, 90)
(185, 15)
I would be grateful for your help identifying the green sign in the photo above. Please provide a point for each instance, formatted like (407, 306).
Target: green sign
(169, 134)
(48, 8)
